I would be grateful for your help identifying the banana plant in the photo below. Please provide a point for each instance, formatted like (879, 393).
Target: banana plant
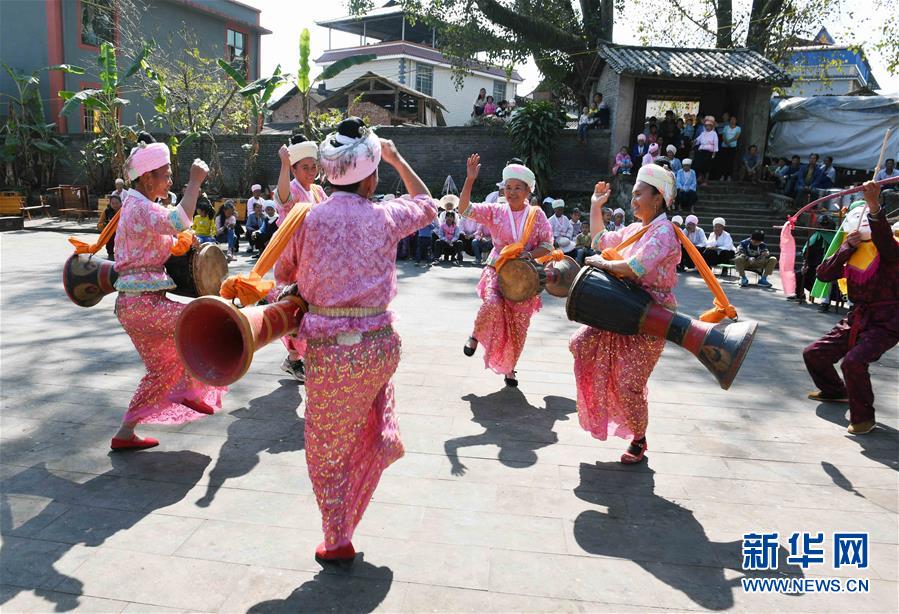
(107, 103)
(29, 148)
(305, 85)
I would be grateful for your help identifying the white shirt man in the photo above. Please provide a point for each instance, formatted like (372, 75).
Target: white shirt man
(256, 197)
(721, 242)
(563, 231)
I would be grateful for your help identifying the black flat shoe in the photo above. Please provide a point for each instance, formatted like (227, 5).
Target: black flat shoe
(511, 382)
(470, 346)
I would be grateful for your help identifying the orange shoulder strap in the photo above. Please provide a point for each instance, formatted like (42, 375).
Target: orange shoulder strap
(722, 307)
(514, 250)
(252, 288)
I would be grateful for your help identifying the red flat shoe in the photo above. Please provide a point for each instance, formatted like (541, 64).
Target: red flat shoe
(635, 452)
(198, 406)
(342, 554)
(134, 443)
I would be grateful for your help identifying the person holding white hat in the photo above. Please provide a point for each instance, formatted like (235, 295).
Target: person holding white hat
(685, 180)
(300, 158)
(353, 351)
(563, 231)
(611, 370)
(719, 246)
(501, 326)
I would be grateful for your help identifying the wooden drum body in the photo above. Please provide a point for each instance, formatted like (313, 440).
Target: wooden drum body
(87, 280)
(199, 272)
(603, 301)
(522, 279)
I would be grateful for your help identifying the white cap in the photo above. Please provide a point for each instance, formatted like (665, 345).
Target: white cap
(719, 220)
(548, 199)
(671, 149)
(255, 187)
(687, 162)
(678, 220)
(558, 203)
(618, 211)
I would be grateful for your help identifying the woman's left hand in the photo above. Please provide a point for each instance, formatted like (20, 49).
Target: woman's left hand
(597, 262)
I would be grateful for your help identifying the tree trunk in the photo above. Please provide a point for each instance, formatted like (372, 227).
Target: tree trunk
(724, 15)
(760, 17)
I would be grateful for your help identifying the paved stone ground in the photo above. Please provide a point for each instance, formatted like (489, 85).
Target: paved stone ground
(502, 503)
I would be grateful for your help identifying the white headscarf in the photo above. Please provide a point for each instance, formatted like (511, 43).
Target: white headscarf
(306, 149)
(660, 178)
(719, 220)
(521, 173)
(678, 220)
(346, 160)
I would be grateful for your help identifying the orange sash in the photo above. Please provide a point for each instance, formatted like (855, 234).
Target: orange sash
(181, 246)
(722, 307)
(514, 250)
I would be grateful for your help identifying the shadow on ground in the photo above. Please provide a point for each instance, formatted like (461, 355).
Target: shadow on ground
(335, 591)
(512, 424)
(662, 537)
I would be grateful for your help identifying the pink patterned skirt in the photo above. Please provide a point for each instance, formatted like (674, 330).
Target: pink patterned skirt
(501, 326)
(352, 434)
(611, 372)
(149, 319)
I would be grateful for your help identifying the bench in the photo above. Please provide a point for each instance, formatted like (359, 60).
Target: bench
(726, 270)
(40, 208)
(11, 203)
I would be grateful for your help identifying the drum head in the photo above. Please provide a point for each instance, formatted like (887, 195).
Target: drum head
(560, 275)
(210, 267)
(519, 280)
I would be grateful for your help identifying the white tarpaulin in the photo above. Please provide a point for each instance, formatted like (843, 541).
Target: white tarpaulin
(849, 128)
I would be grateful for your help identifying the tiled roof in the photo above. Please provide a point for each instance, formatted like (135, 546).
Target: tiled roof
(413, 50)
(732, 65)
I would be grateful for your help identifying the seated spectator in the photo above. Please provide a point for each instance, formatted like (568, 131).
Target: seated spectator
(269, 225)
(651, 154)
(607, 219)
(753, 255)
(447, 203)
(826, 180)
(115, 203)
(678, 221)
(777, 172)
(583, 124)
(227, 229)
(623, 163)
(791, 176)
(257, 197)
(617, 219)
(697, 237)
(599, 112)
(719, 246)
(490, 106)
(808, 175)
(751, 165)
(204, 221)
(424, 243)
(449, 239)
(576, 219)
(481, 244)
(674, 164)
(685, 181)
(582, 244)
(563, 231)
(119, 189)
(887, 172)
(255, 221)
(640, 150)
(502, 110)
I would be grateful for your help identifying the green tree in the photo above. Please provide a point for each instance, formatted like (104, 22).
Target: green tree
(533, 129)
(560, 35)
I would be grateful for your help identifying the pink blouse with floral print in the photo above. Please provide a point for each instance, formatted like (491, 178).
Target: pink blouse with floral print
(344, 255)
(298, 194)
(143, 242)
(495, 217)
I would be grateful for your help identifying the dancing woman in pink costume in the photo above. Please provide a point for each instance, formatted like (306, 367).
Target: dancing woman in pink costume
(143, 242)
(352, 349)
(501, 326)
(611, 370)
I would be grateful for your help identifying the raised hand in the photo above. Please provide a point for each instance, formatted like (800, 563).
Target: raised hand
(284, 155)
(601, 193)
(473, 166)
(871, 192)
(198, 171)
(389, 153)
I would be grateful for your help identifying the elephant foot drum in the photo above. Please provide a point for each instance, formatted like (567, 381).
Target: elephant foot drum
(87, 280)
(603, 301)
(199, 272)
(522, 279)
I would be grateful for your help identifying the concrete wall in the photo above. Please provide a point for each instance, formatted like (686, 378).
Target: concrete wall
(458, 103)
(433, 152)
(23, 43)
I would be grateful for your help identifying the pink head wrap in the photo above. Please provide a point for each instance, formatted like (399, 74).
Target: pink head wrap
(692, 219)
(145, 158)
(654, 149)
